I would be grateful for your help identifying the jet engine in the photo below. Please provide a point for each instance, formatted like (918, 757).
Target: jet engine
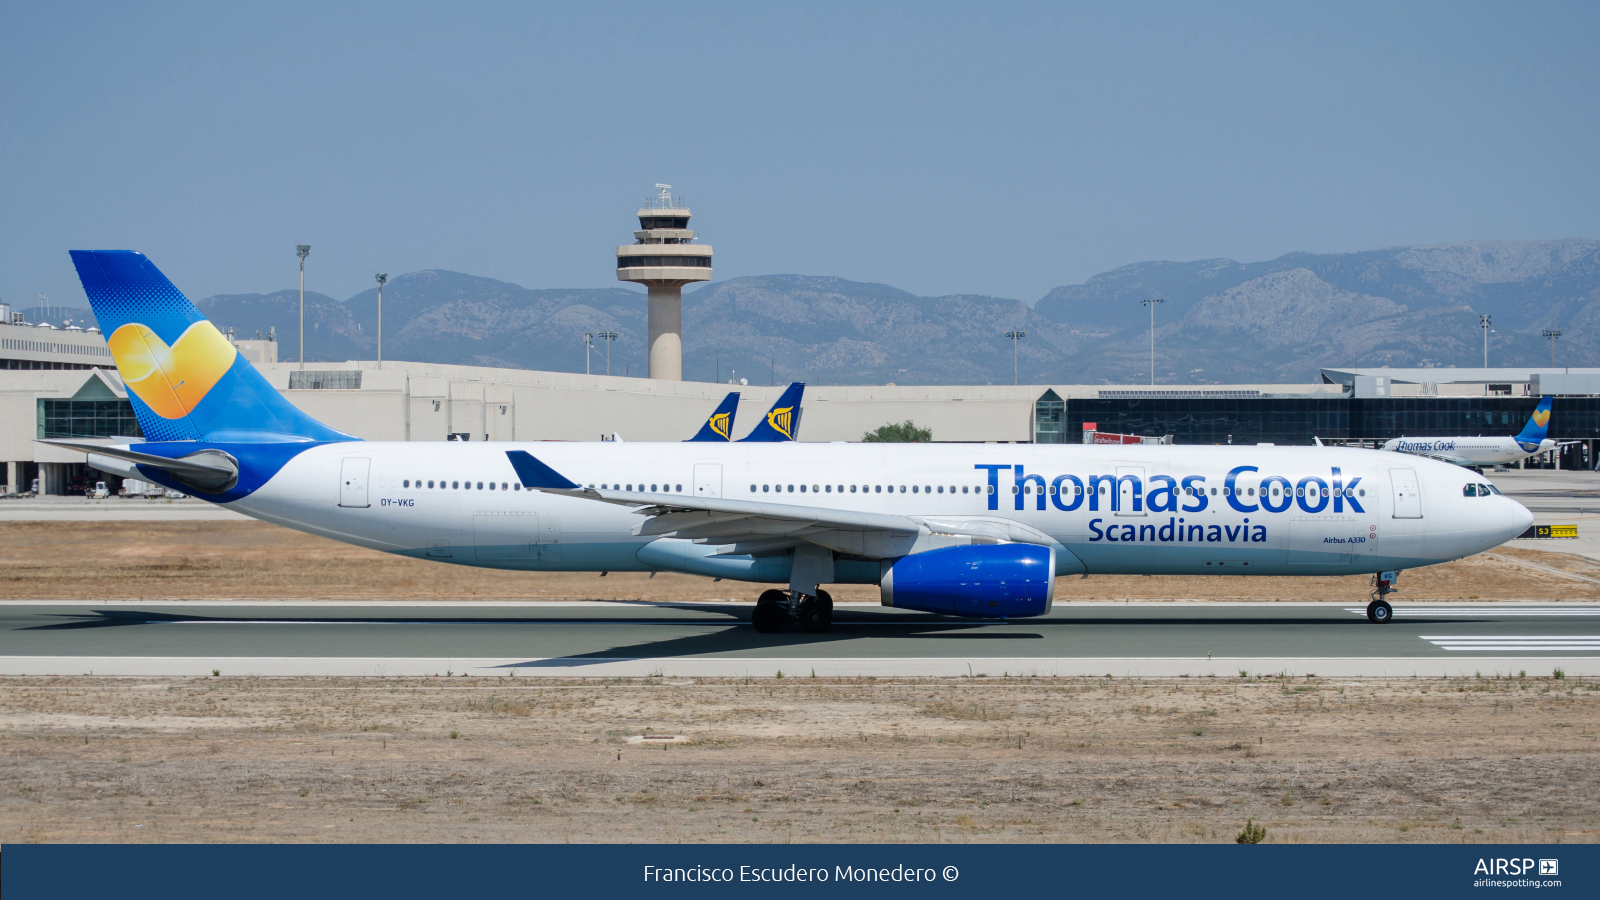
(986, 581)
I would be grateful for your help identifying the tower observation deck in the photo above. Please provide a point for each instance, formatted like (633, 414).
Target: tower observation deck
(664, 258)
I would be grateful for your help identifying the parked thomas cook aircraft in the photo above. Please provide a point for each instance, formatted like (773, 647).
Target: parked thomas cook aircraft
(977, 530)
(1487, 451)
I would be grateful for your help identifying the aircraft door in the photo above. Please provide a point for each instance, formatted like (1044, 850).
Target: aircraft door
(1127, 477)
(708, 480)
(353, 472)
(1407, 495)
(505, 534)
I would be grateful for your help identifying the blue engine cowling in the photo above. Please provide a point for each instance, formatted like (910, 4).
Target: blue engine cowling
(987, 581)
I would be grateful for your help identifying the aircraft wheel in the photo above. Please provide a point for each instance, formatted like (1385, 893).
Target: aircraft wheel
(816, 615)
(1380, 611)
(770, 615)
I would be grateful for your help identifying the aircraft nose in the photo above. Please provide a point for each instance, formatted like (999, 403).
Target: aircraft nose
(1518, 519)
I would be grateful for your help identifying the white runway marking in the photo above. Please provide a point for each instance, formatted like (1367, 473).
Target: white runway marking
(1543, 643)
(1414, 612)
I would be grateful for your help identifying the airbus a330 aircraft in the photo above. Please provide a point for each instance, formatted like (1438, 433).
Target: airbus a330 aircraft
(978, 530)
(1487, 451)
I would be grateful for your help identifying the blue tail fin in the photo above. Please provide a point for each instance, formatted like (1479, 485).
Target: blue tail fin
(782, 422)
(1538, 426)
(720, 426)
(185, 380)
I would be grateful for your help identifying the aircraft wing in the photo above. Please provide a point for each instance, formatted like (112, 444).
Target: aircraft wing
(741, 527)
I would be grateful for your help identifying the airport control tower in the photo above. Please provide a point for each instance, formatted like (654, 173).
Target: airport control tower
(664, 258)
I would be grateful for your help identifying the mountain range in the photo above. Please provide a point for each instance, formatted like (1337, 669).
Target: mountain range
(1220, 321)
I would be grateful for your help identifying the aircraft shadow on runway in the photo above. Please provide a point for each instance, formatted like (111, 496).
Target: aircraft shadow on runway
(855, 626)
(910, 624)
(732, 633)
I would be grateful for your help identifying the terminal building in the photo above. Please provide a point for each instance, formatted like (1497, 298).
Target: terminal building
(56, 383)
(60, 382)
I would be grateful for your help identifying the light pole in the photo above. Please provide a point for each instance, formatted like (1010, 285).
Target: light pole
(609, 336)
(588, 343)
(1151, 304)
(381, 278)
(302, 251)
(1483, 322)
(1015, 336)
(1552, 334)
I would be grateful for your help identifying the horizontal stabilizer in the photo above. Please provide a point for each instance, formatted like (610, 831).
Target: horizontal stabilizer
(209, 470)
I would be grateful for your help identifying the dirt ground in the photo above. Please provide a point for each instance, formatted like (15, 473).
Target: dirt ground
(254, 560)
(798, 759)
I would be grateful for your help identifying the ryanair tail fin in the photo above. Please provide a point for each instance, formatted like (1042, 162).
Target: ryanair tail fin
(1538, 426)
(720, 426)
(185, 380)
(782, 422)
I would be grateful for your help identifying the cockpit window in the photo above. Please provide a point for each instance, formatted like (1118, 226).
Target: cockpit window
(1470, 490)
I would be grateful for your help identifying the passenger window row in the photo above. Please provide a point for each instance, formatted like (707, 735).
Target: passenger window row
(658, 488)
(867, 489)
(463, 485)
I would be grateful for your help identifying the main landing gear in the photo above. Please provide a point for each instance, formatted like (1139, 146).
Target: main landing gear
(777, 610)
(1379, 610)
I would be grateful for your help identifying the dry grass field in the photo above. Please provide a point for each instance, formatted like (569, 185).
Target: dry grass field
(798, 759)
(254, 560)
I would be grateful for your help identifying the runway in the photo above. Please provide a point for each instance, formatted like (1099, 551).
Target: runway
(602, 639)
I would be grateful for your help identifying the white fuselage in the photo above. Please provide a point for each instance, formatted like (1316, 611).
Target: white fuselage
(1143, 509)
(1470, 451)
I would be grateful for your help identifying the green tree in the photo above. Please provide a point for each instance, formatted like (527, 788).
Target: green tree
(1252, 833)
(906, 432)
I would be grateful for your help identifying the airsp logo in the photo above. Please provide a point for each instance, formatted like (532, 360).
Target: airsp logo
(719, 424)
(1516, 867)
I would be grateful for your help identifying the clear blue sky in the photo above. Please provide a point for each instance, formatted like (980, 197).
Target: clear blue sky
(972, 147)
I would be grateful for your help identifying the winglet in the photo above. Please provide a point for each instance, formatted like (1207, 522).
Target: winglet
(535, 474)
(720, 426)
(782, 422)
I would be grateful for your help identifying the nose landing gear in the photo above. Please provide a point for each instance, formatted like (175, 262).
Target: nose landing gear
(1379, 610)
(777, 610)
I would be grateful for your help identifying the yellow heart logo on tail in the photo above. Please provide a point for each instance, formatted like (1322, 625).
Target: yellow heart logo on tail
(171, 380)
